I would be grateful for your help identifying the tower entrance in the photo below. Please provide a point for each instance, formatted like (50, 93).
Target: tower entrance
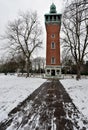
(52, 72)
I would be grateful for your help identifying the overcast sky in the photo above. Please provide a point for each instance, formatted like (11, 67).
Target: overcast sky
(10, 8)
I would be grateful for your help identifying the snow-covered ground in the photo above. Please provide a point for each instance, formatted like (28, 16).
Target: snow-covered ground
(14, 90)
(78, 91)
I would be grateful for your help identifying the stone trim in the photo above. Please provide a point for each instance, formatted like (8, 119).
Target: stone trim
(55, 69)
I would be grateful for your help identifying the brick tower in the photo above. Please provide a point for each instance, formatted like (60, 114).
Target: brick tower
(53, 24)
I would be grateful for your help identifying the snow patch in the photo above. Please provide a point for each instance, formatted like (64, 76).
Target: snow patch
(78, 91)
(14, 90)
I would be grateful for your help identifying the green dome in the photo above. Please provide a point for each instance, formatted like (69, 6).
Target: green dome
(53, 8)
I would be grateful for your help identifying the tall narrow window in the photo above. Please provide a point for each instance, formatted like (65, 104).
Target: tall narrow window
(52, 45)
(50, 18)
(52, 60)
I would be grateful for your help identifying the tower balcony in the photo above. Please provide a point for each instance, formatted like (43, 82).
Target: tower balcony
(53, 18)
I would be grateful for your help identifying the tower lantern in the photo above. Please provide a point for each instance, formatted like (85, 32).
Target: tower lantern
(53, 24)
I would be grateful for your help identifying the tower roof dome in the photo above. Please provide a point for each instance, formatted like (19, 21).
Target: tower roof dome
(53, 8)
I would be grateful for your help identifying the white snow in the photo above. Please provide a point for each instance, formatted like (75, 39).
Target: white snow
(14, 90)
(78, 91)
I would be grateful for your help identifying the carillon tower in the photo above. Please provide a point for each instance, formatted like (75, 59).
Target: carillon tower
(53, 24)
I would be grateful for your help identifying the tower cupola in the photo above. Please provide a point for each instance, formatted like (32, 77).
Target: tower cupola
(53, 8)
(53, 16)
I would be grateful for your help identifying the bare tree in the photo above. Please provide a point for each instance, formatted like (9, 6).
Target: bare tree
(20, 59)
(24, 35)
(75, 31)
(39, 63)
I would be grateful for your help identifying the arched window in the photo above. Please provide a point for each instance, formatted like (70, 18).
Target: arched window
(52, 60)
(52, 45)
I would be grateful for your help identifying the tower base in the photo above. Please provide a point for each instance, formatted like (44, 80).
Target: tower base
(53, 71)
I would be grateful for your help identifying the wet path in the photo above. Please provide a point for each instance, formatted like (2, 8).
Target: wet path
(47, 108)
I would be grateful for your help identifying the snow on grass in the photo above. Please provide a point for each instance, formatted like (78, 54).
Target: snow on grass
(78, 91)
(14, 90)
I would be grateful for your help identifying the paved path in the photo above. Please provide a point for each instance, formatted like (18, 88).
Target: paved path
(47, 108)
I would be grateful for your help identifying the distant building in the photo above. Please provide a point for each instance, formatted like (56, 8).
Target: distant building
(53, 24)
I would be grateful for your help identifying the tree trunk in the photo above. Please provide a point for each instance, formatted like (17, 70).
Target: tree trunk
(28, 67)
(78, 72)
